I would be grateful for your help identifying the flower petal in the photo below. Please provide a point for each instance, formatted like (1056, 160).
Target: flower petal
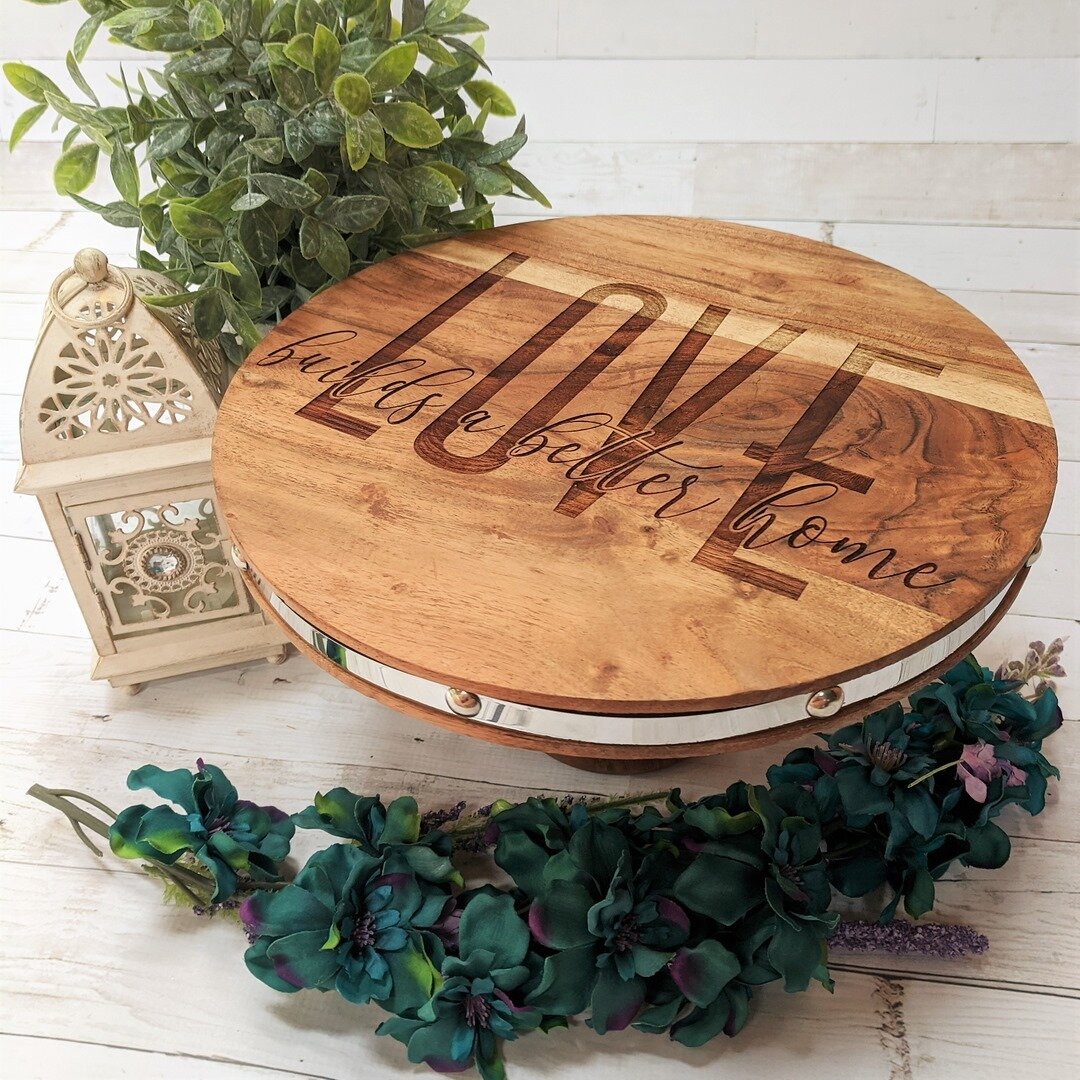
(566, 981)
(165, 830)
(175, 786)
(490, 922)
(703, 971)
(299, 958)
(615, 1002)
(559, 917)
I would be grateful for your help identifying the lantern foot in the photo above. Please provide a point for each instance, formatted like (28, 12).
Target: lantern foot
(279, 656)
(132, 688)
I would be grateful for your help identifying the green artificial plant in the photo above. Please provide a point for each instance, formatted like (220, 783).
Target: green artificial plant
(284, 145)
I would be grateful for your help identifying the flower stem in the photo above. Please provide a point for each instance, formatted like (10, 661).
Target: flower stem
(470, 827)
(932, 772)
(80, 819)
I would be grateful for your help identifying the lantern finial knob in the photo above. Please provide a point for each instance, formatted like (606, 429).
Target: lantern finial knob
(91, 265)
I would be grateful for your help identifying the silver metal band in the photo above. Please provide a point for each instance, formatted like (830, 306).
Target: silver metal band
(626, 730)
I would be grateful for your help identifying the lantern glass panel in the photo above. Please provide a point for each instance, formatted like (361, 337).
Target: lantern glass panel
(164, 562)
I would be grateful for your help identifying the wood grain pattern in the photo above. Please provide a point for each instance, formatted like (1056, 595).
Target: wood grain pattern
(634, 465)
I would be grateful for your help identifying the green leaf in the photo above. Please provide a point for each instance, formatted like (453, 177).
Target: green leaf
(93, 122)
(301, 51)
(290, 88)
(30, 82)
(203, 62)
(409, 124)
(352, 93)
(125, 173)
(308, 14)
(354, 213)
(470, 215)
(429, 185)
(194, 224)
(436, 51)
(298, 140)
(333, 254)
(205, 23)
(316, 180)
(265, 117)
(24, 123)
(798, 954)
(169, 137)
(77, 78)
(115, 213)
(392, 67)
(208, 314)
(250, 200)
(226, 266)
(75, 169)
(523, 183)
(241, 323)
(286, 191)
(439, 11)
(412, 15)
(369, 134)
(502, 150)
(481, 91)
(326, 55)
(132, 16)
(356, 150)
(487, 181)
(259, 237)
(271, 150)
(85, 34)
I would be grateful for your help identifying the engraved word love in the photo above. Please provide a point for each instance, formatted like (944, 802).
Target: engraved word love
(747, 524)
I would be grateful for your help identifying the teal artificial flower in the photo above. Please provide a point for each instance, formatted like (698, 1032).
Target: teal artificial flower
(228, 835)
(759, 867)
(705, 1001)
(360, 924)
(527, 835)
(980, 706)
(382, 830)
(474, 1008)
(610, 925)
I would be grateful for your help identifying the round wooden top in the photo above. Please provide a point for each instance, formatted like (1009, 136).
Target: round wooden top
(634, 465)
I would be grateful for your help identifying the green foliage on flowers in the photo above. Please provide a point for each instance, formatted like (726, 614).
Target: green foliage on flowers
(234, 839)
(285, 144)
(662, 918)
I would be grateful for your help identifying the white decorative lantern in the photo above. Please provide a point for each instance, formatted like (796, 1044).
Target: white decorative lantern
(116, 422)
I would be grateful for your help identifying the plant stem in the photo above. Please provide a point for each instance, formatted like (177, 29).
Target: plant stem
(932, 772)
(470, 827)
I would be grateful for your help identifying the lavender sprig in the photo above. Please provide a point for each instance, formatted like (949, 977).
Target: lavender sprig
(906, 939)
(1038, 669)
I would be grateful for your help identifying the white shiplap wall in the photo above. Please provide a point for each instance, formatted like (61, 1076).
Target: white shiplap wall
(938, 135)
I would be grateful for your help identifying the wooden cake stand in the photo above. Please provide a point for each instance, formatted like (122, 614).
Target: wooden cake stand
(628, 489)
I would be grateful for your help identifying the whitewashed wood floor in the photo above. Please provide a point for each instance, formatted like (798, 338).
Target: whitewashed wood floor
(98, 979)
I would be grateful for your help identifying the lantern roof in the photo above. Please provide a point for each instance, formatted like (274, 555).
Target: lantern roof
(116, 386)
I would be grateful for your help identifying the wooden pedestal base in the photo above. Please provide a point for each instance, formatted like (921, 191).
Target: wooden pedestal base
(618, 766)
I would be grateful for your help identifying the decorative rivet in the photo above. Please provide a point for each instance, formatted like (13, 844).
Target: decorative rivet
(238, 558)
(1033, 558)
(825, 702)
(462, 702)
